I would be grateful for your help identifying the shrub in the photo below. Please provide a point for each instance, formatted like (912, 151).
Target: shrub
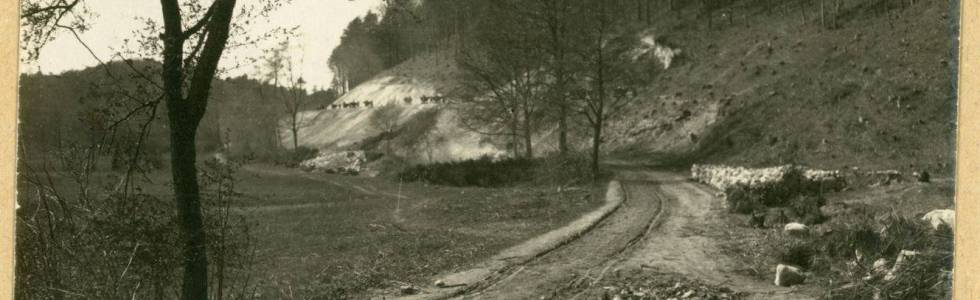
(807, 208)
(487, 172)
(793, 191)
(292, 158)
(741, 199)
(114, 244)
(799, 253)
(570, 169)
(483, 172)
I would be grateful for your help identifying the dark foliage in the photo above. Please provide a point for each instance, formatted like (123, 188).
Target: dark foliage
(293, 157)
(482, 172)
(801, 197)
(487, 172)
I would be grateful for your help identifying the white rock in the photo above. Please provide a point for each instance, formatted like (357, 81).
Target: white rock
(941, 217)
(903, 259)
(795, 229)
(880, 266)
(787, 275)
(337, 162)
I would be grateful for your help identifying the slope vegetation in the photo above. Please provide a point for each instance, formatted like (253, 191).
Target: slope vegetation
(755, 86)
(875, 92)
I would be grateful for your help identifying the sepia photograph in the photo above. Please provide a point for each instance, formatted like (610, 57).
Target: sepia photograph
(486, 149)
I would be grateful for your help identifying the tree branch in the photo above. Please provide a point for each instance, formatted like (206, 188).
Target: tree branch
(218, 30)
(200, 23)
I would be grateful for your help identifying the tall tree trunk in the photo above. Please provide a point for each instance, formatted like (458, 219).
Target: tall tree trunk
(599, 108)
(803, 10)
(639, 10)
(823, 21)
(184, 172)
(295, 138)
(562, 127)
(528, 149)
(596, 142)
(515, 136)
(184, 115)
(294, 127)
(649, 19)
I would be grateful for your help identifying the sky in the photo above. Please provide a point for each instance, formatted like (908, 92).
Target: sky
(320, 25)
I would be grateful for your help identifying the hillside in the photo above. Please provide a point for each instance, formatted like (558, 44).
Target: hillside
(875, 92)
(428, 131)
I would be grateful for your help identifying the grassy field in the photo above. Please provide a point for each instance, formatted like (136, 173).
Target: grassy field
(329, 236)
(322, 236)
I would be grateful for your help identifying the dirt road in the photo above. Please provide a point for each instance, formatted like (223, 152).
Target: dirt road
(664, 226)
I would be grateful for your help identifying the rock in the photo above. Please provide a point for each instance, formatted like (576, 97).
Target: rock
(409, 289)
(440, 283)
(879, 268)
(941, 217)
(922, 176)
(787, 275)
(904, 258)
(795, 229)
(688, 294)
(345, 162)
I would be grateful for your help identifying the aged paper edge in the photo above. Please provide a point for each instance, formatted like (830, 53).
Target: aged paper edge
(967, 270)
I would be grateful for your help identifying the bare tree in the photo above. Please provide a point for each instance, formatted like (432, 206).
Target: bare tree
(385, 119)
(280, 73)
(506, 71)
(606, 74)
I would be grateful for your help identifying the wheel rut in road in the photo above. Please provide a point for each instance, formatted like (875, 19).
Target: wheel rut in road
(581, 261)
(684, 244)
(664, 226)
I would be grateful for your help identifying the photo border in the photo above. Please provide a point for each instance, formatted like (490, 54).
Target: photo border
(966, 274)
(967, 264)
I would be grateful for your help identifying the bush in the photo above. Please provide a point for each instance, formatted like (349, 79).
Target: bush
(292, 158)
(793, 191)
(483, 172)
(486, 172)
(741, 199)
(798, 253)
(563, 170)
(807, 208)
(113, 244)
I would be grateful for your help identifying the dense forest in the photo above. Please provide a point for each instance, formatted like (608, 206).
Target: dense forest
(108, 105)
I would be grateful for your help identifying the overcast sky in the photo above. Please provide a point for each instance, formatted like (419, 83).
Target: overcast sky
(321, 22)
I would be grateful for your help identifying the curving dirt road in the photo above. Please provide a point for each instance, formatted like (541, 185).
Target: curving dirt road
(683, 243)
(663, 226)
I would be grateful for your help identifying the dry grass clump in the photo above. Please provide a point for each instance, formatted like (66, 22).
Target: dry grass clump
(843, 252)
